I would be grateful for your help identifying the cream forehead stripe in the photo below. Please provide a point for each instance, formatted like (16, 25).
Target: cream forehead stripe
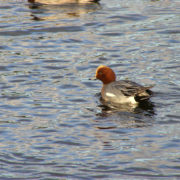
(101, 66)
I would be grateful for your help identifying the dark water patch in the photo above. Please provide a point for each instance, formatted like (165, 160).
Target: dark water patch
(165, 12)
(40, 30)
(77, 100)
(176, 160)
(43, 114)
(19, 178)
(33, 82)
(108, 50)
(27, 64)
(38, 107)
(118, 64)
(68, 86)
(62, 29)
(157, 60)
(89, 84)
(57, 77)
(154, 136)
(138, 169)
(103, 59)
(48, 174)
(169, 32)
(94, 24)
(111, 34)
(147, 29)
(82, 68)
(176, 140)
(171, 167)
(3, 68)
(35, 18)
(5, 7)
(72, 41)
(3, 131)
(102, 176)
(49, 130)
(4, 47)
(173, 41)
(55, 67)
(132, 50)
(26, 161)
(43, 46)
(108, 127)
(39, 136)
(12, 98)
(149, 52)
(115, 55)
(117, 21)
(66, 125)
(42, 147)
(105, 167)
(24, 120)
(120, 131)
(15, 33)
(171, 146)
(172, 67)
(128, 172)
(59, 60)
(153, 176)
(130, 17)
(22, 76)
(29, 158)
(20, 170)
(17, 80)
(173, 117)
(169, 122)
(68, 143)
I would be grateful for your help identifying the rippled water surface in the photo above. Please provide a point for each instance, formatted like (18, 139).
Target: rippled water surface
(52, 122)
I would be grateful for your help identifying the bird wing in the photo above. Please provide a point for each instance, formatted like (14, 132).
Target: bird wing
(129, 88)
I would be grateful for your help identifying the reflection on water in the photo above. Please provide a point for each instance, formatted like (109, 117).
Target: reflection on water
(110, 108)
(61, 2)
(125, 115)
(64, 11)
(52, 124)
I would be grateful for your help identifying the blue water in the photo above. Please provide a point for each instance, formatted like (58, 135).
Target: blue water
(52, 122)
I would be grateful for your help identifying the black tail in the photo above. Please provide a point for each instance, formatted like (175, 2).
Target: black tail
(144, 94)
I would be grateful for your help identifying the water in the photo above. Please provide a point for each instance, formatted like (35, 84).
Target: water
(52, 122)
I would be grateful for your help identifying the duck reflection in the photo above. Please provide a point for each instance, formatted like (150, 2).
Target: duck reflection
(144, 107)
(61, 9)
(55, 2)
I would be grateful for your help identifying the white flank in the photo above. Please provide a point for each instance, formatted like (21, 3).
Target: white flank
(132, 100)
(110, 94)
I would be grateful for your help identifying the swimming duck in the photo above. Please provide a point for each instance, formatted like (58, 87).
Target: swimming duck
(123, 91)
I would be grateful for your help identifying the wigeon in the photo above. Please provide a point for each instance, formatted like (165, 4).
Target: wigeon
(123, 91)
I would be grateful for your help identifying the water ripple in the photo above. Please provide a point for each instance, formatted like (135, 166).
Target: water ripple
(53, 122)
(46, 30)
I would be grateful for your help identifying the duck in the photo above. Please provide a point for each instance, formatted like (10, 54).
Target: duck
(56, 2)
(121, 91)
